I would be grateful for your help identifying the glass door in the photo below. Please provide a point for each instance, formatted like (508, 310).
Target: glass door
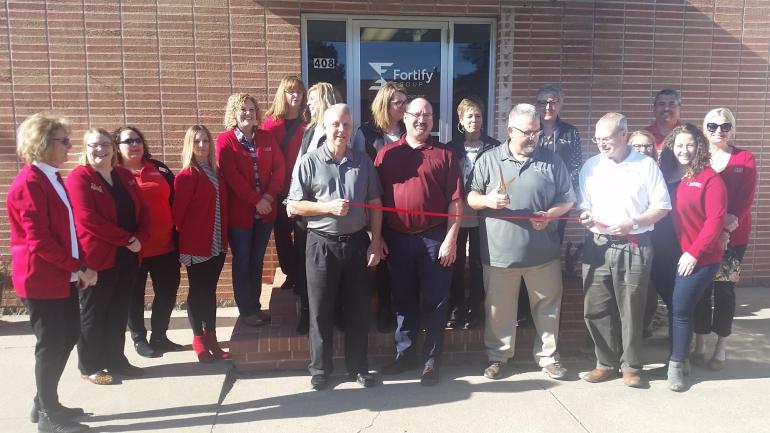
(412, 53)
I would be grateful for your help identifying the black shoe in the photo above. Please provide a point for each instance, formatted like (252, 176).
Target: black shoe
(303, 325)
(473, 319)
(50, 423)
(400, 365)
(319, 381)
(367, 380)
(384, 320)
(161, 343)
(62, 412)
(144, 349)
(456, 319)
(429, 376)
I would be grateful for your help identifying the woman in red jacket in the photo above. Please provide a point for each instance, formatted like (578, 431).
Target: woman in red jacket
(159, 256)
(286, 121)
(200, 216)
(107, 208)
(253, 168)
(698, 217)
(46, 268)
(738, 170)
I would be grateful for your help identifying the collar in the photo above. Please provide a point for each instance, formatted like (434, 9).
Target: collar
(46, 168)
(429, 143)
(328, 157)
(241, 136)
(505, 153)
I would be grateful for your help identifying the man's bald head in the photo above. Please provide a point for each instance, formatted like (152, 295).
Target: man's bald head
(338, 124)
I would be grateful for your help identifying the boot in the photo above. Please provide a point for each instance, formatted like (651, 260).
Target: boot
(676, 380)
(48, 423)
(213, 345)
(200, 348)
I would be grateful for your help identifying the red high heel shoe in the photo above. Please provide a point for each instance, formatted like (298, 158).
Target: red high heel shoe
(213, 345)
(200, 347)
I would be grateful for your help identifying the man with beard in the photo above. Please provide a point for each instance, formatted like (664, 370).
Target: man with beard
(666, 108)
(520, 178)
(622, 195)
(338, 249)
(418, 173)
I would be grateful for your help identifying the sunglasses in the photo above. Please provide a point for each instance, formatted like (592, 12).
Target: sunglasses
(132, 141)
(725, 127)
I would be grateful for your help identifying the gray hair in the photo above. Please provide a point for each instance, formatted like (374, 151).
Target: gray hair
(527, 110)
(341, 108)
(618, 120)
(550, 89)
(669, 92)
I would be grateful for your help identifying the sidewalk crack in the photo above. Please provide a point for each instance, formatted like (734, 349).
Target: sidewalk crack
(371, 423)
(582, 426)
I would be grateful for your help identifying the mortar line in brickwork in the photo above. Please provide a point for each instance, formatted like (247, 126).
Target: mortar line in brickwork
(10, 68)
(230, 46)
(85, 56)
(160, 84)
(48, 52)
(195, 64)
(654, 28)
(122, 63)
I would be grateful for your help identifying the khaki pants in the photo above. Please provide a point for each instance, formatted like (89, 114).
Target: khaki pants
(544, 286)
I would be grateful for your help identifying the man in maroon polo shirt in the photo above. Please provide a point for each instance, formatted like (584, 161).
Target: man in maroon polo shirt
(418, 173)
(666, 108)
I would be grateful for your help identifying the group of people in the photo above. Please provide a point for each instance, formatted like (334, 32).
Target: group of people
(667, 211)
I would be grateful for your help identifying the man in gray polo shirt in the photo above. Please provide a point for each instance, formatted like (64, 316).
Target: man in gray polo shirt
(338, 250)
(534, 183)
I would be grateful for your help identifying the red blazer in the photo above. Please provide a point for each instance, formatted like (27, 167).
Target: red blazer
(277, 128)
(699, 208)
(238, 170)
(740, 177)
(195, 203)
(96, 218)
(41, 253)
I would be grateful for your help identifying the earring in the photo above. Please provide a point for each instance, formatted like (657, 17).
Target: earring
(460, 127)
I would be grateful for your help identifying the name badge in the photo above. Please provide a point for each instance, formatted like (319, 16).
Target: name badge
(96, 187)
(695, 184)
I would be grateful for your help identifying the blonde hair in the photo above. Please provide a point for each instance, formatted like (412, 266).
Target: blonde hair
(188, 156)
(381, 103)
(726, 113)
(33, 137)
(327, 96)
(468, 103)
(102, 133)
(279, 108)
(235, 102)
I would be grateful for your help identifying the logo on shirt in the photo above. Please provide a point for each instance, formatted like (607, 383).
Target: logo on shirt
(738, 170)
(96, 187)
(695, 184)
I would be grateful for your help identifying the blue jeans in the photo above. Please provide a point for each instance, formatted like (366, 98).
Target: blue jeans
(248, 248)
(681, 302)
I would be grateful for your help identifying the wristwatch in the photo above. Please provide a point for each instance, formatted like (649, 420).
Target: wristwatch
(635, 226)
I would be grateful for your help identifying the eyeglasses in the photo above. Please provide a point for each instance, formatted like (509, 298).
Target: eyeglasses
(400, 103)
(603, 140)
(65, 141)
(551, 102)
(97, 145)
(132, 141)
(642, 146)
(418, 115)
(529, 134)
(725, 127)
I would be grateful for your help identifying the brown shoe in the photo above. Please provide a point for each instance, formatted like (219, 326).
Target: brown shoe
(98, 378)
(495, 370)
(598, 375)
(632, 379)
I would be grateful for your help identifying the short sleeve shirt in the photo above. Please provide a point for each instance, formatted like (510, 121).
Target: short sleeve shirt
(533, 185)
(321, 179)
(616, 192)
(426, 178)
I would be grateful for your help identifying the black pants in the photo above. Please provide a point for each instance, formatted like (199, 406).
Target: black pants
(56, 325)
(103, 316)
(202, 295)
(337, 270)
(284, 244)
(300, 282)
(720, 319)
(382, 283)
(165, 274)
(467, 235)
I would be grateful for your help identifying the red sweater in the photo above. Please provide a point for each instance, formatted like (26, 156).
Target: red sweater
(740, 177)
(41, 253)
(96, 216)
(238, 170)
(195, 205)
(277, 128)
(155, 191)
(698, 216)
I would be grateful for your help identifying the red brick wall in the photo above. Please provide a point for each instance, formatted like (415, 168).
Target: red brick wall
(166, 65)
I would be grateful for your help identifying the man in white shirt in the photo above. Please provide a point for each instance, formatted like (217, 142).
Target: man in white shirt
(623, 194)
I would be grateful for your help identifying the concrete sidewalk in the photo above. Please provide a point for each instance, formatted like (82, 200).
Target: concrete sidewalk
(180, 395)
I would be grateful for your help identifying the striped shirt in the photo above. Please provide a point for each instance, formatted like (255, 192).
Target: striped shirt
(216, 240)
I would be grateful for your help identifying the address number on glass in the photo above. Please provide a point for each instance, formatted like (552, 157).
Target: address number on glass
(324, 63)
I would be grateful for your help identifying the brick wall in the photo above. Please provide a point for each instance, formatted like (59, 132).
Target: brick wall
(164, 65)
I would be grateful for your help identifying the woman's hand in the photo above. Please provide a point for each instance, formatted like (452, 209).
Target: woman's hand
(731, 222)
(134, 245)
(686, 264)
(264, 207)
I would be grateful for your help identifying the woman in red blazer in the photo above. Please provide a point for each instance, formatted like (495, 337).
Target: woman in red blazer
(286, 121)
(46, 268)
(698, 215)
(200, 216)
(107, 208)
(254, 170)
(738, 169)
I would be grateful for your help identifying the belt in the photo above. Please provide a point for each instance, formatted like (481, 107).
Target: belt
(629, 238)
(338, 238)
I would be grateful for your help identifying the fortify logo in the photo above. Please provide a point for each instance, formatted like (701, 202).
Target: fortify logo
(379, 68)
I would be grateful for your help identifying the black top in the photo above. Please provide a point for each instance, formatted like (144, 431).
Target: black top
(124, 205)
